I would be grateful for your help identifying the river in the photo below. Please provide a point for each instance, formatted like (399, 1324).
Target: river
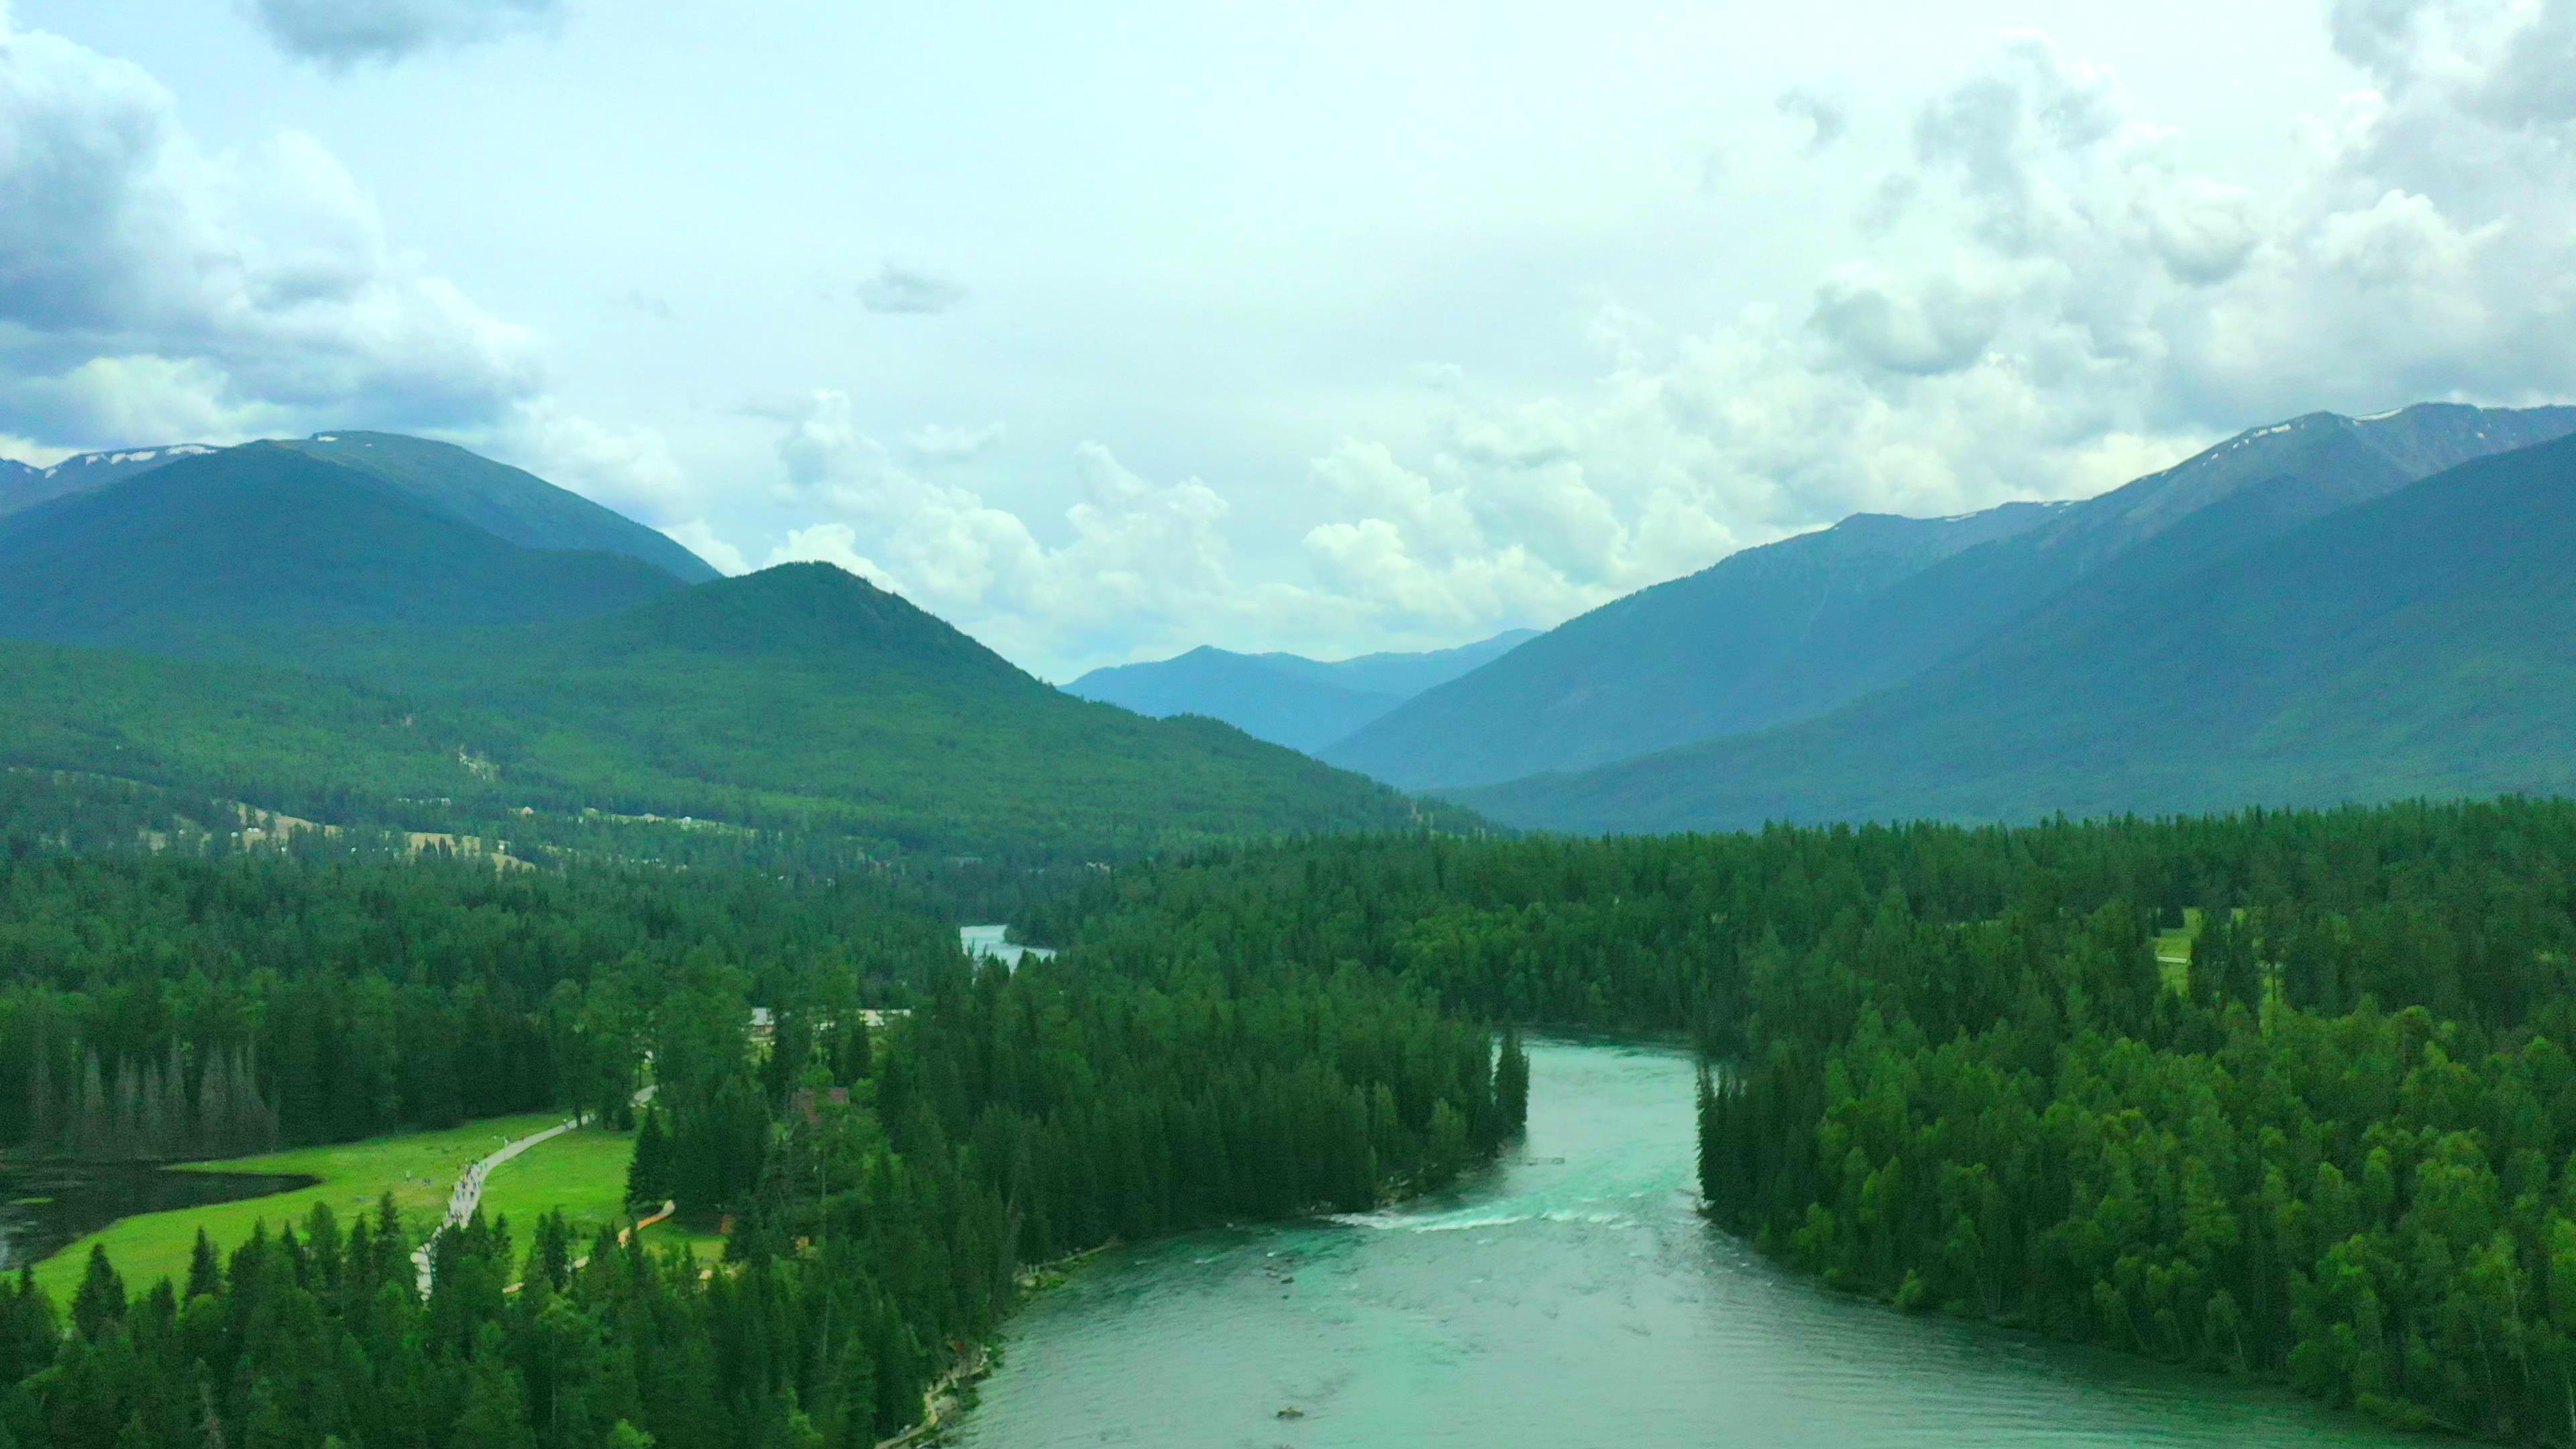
(1569, 1299)
(986, 943)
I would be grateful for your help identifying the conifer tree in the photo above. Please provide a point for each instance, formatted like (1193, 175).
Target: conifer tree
(99, 1304)
(648, 1173)
(205, 1274)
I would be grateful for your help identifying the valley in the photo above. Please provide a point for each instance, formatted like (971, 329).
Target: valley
(789, 726)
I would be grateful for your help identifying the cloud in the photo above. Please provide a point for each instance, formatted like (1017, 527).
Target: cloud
(699, 538)
(146, 282)
(1938, 326)
(629, 469)
(1827, 120)
(1136, 563)
(938, 443)
(901, 290)
(2041, 298)
(2511, 65)
(342, 33)
(155, 291)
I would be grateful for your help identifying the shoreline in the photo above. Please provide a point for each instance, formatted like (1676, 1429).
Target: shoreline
(940, 1403)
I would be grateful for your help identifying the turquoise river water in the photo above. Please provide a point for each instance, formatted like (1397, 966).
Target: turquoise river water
(1571, 1298)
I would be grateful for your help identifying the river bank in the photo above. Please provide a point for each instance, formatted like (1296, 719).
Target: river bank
(1570, 1296)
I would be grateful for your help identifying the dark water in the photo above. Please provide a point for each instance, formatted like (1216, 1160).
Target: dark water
(81, 1198)
(1570, 1299)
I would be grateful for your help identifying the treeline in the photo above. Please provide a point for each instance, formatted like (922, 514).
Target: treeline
(69, 812)
(794, 707)
(887, 1196)
(2336, 1145)
(163, 1005)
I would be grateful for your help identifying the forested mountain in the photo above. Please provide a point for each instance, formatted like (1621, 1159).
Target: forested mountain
(798, 699)
(24, 486)
(1796, 629)
(508, 503)
(264, 543)
(362, 634)
(1287, 699)
(1679, 661)
(2413, 644)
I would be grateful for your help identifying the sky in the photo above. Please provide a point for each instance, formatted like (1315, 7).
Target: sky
(1106, 331)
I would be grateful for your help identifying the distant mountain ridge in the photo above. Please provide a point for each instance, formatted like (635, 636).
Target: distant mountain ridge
(509, 503)
(1287, 699)
(2412, 643)
(326, 628)
(1796, 629)
(219, 547)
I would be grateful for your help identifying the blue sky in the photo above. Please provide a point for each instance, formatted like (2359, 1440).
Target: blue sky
(1109, 330)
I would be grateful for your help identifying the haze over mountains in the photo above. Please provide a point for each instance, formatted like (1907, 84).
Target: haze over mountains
(359, 621)
(1288, 699)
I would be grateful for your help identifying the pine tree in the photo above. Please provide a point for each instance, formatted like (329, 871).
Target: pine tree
(95, 1128)
(205, 1272)
(648, 1175)
(100, 1303)
(214, 1107)
(127, 1136)
(152, 1136)
(45, 1129)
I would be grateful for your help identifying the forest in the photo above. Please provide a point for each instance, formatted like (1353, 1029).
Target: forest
(2332, 1143)
(2337, 1146)
(887, 1193)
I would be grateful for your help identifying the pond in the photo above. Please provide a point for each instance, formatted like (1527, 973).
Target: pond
(45, 1204)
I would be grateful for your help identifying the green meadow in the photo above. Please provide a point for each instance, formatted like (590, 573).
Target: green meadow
(581, 1173)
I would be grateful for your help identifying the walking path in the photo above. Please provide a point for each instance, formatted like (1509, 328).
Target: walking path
(467, 1195)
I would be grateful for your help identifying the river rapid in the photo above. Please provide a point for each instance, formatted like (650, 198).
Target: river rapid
(1571, 1298)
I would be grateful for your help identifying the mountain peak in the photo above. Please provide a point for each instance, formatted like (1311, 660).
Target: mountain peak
(814, 613)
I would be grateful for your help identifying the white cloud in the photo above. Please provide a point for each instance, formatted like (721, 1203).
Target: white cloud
(1137, 562)
(939, 443)
(148, 282)
(628, 469)
(2044, 300)
(155, 291)
(699, 538)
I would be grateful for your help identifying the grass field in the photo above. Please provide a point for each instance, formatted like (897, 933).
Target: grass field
(2173, 952)
(583, 1173)
(418, 1168)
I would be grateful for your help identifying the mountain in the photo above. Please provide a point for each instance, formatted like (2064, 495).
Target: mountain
(2412, 644)
(509, 503)
(799, 698)
(1796, 629)
(320, 628)
(219, 547)
(1287, 699)
(22, 486)
(1679, 661)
